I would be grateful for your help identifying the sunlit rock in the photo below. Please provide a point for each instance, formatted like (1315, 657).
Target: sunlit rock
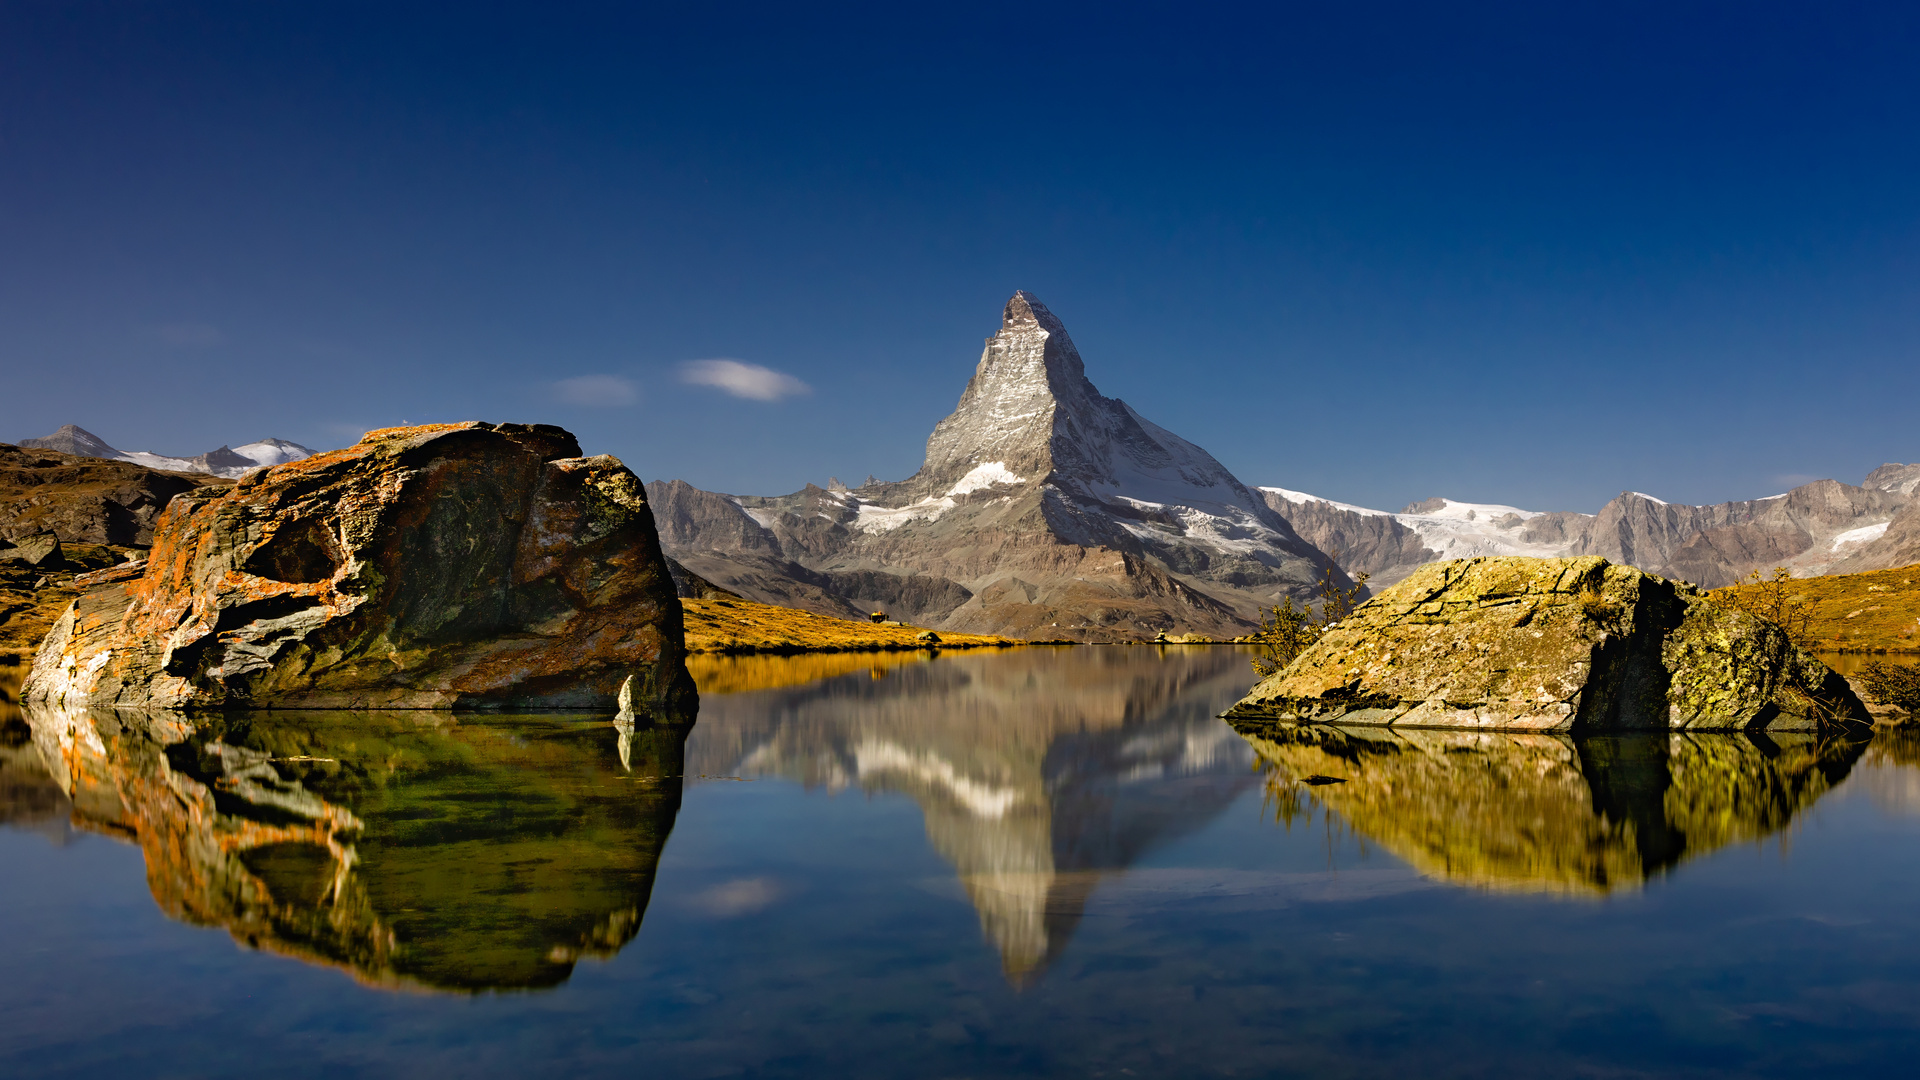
(453, 565)
(1552, 645)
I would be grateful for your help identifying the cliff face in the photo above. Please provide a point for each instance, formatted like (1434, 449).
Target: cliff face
(1043, 509)
(430, 567)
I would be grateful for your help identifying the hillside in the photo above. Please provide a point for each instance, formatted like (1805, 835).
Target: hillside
(1876, 611)
(742, 626)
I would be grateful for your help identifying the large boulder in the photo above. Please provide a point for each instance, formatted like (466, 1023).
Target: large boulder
(1554, 645)
(451, 565)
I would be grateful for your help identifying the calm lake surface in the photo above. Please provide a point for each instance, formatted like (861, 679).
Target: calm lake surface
(1032, 863)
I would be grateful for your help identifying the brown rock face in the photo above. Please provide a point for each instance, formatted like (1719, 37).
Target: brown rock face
(1552, 645)
(452, 565)
(84, 500)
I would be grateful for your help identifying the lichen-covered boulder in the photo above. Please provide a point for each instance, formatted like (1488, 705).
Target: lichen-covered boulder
(446, 566)
(1554, 645)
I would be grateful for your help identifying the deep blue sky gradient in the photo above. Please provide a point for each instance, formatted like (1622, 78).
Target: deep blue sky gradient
(1528, 253)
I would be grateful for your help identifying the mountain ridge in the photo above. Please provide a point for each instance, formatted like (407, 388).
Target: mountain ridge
(229, 462)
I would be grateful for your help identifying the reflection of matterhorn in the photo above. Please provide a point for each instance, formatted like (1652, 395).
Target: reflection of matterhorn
(1039, 774)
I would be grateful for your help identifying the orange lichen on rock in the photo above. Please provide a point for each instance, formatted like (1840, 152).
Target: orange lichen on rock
(468, 565)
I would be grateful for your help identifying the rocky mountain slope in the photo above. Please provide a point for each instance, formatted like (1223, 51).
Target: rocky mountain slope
(1818, 528)
(230, 462)
(1044, 509)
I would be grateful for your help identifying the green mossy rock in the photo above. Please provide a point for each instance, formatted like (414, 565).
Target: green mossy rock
(1552, 645)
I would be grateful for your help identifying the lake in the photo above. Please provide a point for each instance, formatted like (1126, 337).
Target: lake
(1036, 862)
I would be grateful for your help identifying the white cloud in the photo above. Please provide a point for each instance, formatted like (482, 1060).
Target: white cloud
(597, 391)
(189, 335)
(742, 379)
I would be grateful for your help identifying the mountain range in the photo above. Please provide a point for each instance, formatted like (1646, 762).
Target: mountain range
(228, 461)
(1045, 509)
(1824, 527)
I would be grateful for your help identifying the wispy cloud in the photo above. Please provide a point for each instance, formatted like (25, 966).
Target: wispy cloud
(743, 380)
(597, 391)
(189, 335)
(1794, 479)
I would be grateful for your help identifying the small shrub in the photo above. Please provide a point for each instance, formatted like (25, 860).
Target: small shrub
(1897, 685)
(1287, 629)
(1598, 607)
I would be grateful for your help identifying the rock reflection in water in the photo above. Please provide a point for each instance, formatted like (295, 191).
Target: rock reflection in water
(1039, 771)
(413, 849)
(1549, 813)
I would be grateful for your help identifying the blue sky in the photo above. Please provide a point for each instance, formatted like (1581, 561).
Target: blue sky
(1529, 253)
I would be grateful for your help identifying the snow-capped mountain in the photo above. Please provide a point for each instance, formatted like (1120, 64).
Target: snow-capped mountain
(1818, 528)
(1043, 508)
(230, 462)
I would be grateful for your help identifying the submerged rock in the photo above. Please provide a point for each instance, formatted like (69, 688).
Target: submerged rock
(1552, 644)
(451, 565)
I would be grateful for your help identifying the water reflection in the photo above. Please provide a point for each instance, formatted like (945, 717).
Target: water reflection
(1546, 813)
(1039, 772)
(412, 849)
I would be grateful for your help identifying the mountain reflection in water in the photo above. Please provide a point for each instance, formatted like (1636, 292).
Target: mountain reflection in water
(1546, 813)
(413, 849)
(1039, 772)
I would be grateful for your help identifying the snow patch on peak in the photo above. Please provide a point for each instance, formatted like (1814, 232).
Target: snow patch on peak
(983, 476)
(1465, 511)
(1649, 498)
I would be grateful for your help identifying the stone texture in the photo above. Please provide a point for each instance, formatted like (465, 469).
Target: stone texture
(452, 565)
(84, 500)
(1556, 645)
(41, 550)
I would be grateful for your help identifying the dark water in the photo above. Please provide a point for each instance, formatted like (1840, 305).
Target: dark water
(1033, 863)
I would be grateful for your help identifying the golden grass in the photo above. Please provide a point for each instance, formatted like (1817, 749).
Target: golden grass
(741, 626)
(1878, 611)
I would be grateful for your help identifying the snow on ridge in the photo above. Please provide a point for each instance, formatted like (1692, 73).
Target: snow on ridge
(1649, 498)
(983, 476)
(1451, 510)
(1861, 535)
(1303, 497)
(879, 519)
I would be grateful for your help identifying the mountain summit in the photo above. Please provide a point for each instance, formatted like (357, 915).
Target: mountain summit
(1043, 508)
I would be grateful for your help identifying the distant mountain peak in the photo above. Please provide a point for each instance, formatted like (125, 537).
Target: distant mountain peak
(228, 461)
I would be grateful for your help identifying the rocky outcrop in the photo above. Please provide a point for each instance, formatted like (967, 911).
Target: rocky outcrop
(1552, 645)
(1896, 478)
(1545, 812)
(83, 500)
(1043, 508)
(452, 565)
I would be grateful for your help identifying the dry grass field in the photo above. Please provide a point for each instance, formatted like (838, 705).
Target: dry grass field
(1878, 611)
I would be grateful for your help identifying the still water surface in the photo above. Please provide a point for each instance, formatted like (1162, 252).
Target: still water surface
(1033, 863)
